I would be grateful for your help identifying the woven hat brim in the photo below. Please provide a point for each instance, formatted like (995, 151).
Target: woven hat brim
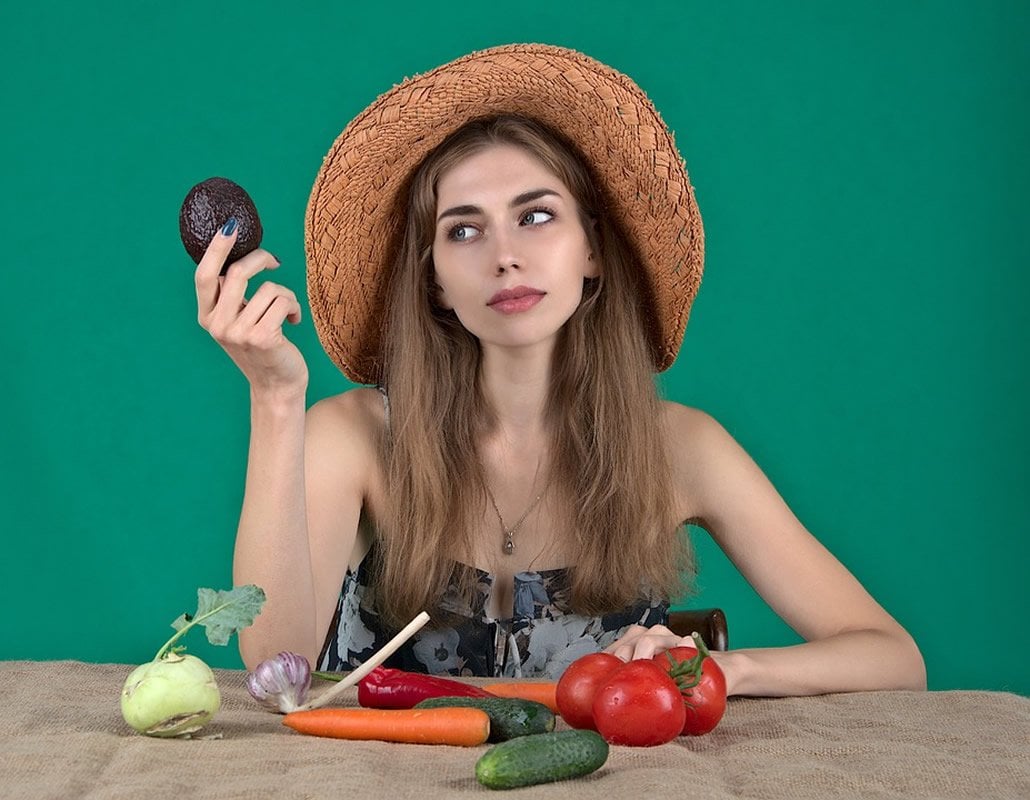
(354, 217)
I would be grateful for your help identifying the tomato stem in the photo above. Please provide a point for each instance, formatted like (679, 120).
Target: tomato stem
(687, 674)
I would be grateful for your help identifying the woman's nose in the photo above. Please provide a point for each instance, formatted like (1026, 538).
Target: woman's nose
(504, 251)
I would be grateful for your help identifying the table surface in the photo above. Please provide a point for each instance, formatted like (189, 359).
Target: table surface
(62, 736)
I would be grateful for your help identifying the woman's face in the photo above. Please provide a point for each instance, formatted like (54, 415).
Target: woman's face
(509, 251)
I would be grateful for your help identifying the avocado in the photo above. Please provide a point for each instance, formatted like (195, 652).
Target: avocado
(205, 210)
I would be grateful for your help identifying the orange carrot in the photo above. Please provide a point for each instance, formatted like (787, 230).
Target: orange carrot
(540, 691)
(464, 727)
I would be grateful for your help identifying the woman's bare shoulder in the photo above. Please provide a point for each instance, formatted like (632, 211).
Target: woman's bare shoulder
(344, 434)
(359, 410)
(343, 449)
(689, 434)
(688, 426)
(704, 458)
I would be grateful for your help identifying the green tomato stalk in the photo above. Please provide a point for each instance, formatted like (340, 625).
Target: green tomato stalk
(687, 674)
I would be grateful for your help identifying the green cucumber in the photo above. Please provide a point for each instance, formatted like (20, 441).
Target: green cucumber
(541, 758)
(509, 716)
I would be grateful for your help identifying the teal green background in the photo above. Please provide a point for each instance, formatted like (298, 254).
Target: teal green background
(862, 171)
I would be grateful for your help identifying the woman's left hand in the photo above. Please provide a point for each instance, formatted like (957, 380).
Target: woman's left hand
(641, 642)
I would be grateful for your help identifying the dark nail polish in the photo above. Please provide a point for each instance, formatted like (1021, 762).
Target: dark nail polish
(229, 227)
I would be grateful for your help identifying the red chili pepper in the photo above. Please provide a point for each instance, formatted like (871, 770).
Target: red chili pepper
(394, 688)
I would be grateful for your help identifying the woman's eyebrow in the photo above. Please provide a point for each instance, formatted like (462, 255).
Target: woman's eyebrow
(531, 195)
(518, 200)
(459, 211)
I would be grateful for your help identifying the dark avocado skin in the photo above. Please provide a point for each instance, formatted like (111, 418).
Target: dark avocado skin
(205, 210)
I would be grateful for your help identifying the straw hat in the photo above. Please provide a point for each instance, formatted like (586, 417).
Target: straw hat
(355, 214)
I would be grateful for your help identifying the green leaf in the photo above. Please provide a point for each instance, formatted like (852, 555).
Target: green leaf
(222, 613)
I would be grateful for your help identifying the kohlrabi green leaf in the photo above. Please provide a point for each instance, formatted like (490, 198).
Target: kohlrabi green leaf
(222, 613)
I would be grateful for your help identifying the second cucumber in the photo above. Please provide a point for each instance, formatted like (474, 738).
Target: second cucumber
(509, 717)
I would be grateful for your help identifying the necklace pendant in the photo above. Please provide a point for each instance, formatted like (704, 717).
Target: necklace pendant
(509, 545)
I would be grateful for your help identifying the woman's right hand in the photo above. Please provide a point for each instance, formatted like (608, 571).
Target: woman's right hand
(250, 331)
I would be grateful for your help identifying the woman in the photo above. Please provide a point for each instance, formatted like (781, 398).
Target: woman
(508, 246)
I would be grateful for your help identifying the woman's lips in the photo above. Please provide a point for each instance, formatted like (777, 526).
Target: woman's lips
(512, 301)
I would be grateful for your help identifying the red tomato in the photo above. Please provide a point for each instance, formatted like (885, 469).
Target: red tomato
(639, 705)
(704, 695)
(578, 685)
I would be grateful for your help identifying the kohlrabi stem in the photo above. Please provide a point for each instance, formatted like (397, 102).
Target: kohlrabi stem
(179, 633)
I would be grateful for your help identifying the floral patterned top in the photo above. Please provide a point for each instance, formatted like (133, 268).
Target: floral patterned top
(539, 641)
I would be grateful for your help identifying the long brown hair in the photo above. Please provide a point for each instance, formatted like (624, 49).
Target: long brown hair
(609, 465)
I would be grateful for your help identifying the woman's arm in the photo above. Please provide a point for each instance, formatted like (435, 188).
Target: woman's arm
(306, 473)
(851, 644)
(271, 539)
(305, 487)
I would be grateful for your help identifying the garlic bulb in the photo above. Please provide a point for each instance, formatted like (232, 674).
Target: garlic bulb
(281, 683)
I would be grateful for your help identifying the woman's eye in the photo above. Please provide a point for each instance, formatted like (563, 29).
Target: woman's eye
(461, 233)
(537, 216)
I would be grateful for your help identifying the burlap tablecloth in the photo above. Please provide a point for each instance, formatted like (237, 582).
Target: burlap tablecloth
(62, 736)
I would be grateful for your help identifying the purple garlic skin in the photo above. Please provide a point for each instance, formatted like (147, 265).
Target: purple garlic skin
(281, 683)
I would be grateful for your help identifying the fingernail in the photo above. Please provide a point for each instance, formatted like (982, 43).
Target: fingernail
(277, 260)
(229, 226)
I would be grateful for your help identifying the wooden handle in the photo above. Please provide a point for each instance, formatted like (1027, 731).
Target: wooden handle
(354, 677)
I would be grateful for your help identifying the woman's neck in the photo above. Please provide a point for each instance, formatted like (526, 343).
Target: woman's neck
(516, 384)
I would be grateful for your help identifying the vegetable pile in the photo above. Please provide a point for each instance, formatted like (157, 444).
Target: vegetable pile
(605, 700)
(175, 694)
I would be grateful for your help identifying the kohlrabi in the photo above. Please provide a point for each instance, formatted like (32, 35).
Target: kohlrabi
(175, 694)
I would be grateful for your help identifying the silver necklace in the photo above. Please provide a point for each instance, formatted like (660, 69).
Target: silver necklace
(508, 545)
